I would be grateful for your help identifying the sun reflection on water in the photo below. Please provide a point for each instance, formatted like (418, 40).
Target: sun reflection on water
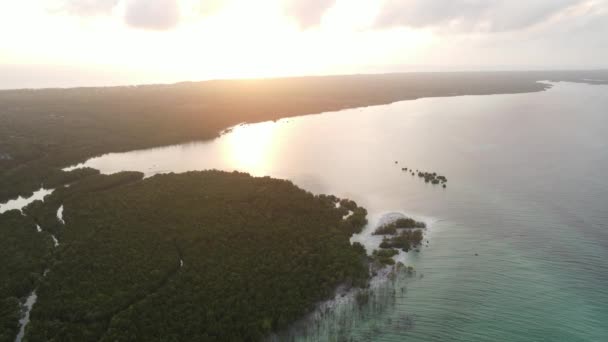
(251, 148)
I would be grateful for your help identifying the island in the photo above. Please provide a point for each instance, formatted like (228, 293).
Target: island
(403, 233)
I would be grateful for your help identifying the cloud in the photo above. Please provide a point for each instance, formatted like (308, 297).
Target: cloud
(152, 14)
(88, 7)
(570, 38)
(307, 13)
(470, 15)
(143, 14)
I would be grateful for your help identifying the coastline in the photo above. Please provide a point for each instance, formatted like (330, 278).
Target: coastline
(201, 112)
(353, 301)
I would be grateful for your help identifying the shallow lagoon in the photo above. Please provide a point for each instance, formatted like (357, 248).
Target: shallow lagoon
(527, 192)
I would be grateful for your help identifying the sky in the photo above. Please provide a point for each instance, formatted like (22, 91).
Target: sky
(65, 43)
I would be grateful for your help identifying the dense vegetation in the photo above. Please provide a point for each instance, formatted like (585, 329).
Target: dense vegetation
(226, 256)
(385, 256)
(356, 217)
(400, 223)
(44, 130)
(45, 213)
(403, 233)
(432, 177)
(405, 240)
(24, 256)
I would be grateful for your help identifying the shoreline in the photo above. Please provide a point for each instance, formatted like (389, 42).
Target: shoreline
(84, 163)
(381, 277)
(200, 111)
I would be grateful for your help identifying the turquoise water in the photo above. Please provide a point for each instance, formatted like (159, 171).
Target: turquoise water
(527, 193)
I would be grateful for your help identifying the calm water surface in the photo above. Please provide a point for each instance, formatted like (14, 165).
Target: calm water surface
(21, 202)
(527, 192)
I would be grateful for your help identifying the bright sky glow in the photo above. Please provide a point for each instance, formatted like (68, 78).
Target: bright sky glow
(99, 42)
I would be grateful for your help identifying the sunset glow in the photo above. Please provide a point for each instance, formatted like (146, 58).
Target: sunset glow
(135, 41)
(251, 148)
